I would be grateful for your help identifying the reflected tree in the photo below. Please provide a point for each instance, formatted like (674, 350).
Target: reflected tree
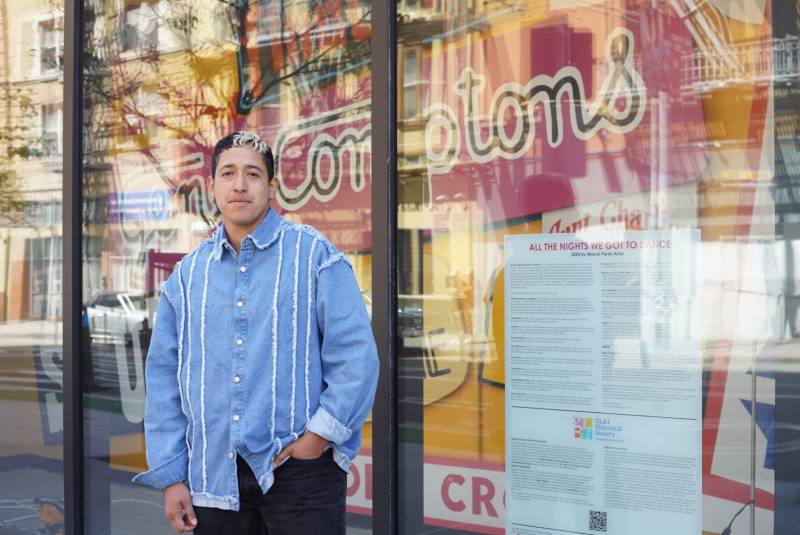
(191, 71)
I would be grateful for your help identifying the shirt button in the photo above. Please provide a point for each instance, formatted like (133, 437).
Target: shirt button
(239, 341)
(237, 379)
(230, 455)
(235, 417)
(242, 269)
(240, 304)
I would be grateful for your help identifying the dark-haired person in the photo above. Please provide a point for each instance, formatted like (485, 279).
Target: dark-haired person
(261, 369)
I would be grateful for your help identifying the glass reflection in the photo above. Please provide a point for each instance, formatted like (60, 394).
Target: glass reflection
(31, 394)
(529, 118)
(163, 82)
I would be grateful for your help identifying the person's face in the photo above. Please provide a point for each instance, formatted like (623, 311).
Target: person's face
(241, 187)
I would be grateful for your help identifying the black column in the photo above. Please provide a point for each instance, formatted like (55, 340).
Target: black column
(72, 293)
(384, 264)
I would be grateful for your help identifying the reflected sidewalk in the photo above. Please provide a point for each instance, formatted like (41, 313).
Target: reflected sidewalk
(31, 333)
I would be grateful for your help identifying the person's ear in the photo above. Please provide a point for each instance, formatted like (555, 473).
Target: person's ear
(210, 186)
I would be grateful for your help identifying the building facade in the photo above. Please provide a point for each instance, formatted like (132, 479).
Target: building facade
(428, 139)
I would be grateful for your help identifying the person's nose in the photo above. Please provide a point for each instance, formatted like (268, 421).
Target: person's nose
(240, 184)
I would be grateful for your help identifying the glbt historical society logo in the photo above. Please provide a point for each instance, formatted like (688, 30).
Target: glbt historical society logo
(596, 428)
(583, 427)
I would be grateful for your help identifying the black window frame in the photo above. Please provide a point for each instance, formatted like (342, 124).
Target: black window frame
(384, 291)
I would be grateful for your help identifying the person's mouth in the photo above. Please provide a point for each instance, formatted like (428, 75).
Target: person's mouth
(239, 202)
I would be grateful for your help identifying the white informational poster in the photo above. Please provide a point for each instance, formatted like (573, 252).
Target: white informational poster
(603, 384)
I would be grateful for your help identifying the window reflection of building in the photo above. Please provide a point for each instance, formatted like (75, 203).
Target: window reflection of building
(44, 277)
(143, 98)
(39, 42)
(711, 80)
(51, 44)
(140, 30)
(52, 127)
(160, 114)
(31, 95)
(31, 218)
(164, 82)
(411, 83)
(163, 86)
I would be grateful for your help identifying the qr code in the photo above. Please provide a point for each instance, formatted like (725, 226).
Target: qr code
(598, 521)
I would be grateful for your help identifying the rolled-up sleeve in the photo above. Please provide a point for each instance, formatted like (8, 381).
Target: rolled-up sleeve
(348, 353)
(164, 420)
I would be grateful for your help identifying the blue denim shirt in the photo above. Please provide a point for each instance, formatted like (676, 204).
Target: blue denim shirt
(249, 351)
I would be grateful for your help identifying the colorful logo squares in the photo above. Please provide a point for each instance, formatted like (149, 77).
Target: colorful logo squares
(582, 428)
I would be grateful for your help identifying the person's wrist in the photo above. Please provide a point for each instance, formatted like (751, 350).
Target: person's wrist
(175, 485)
(317, 439)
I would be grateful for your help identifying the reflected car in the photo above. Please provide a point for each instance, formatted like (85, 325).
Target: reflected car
(112, 315)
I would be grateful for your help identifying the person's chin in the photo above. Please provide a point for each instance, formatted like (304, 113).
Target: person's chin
(241, 218)
(239, 210)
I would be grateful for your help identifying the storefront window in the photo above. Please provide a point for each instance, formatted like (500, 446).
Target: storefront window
(163, 82)
(598, 221)
(31, 393)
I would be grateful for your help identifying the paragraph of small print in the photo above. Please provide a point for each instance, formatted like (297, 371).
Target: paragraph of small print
(598, 521)
(519, 530)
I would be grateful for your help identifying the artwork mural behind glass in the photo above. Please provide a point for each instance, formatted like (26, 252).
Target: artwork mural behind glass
(163, 82)
(561, 116)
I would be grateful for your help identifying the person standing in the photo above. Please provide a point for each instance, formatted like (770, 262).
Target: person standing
(261, 370)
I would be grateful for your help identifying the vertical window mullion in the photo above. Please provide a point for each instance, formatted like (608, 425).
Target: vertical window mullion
(71, 254)
(384, 251)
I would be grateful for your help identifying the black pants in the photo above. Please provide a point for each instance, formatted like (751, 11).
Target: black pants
(308, 497)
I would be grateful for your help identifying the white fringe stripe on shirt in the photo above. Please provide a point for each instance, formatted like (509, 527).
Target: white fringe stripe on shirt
(203, 372)
(180, 356)
(308, 325)
(189, 359)
(294, 328)
(275, 334)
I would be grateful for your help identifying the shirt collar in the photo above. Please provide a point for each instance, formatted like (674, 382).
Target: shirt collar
(263, 236)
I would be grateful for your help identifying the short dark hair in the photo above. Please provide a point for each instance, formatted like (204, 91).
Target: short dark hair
(244, 139)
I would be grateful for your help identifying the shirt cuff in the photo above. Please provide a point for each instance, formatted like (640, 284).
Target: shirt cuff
(328, 427)
(167, 473)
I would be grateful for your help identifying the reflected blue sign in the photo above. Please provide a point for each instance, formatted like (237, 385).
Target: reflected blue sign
(150, 205)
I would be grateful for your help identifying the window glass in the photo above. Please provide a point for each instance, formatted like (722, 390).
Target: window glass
(163, 82)
(31, 351)
(597, 283)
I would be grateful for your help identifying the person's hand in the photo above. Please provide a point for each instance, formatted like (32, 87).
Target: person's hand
(309, 446)
(178, 508)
